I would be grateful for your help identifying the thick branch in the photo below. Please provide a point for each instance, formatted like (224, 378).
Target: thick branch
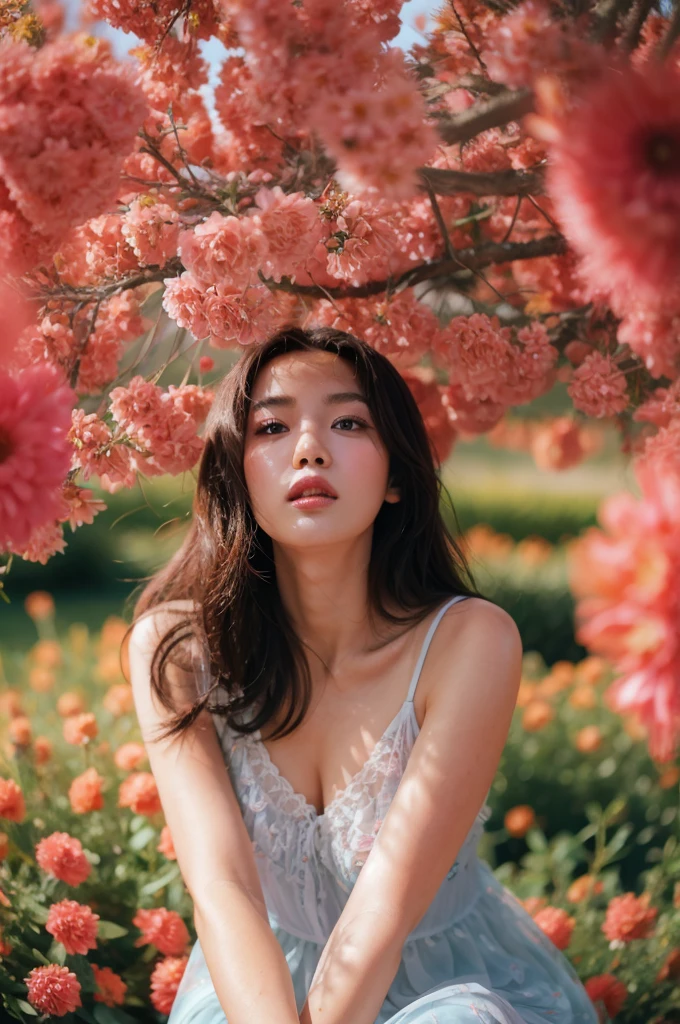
(98, 293)
(498, 183)
(510, 106)
(462, 260)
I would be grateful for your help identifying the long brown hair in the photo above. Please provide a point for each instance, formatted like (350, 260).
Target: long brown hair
(225, 565)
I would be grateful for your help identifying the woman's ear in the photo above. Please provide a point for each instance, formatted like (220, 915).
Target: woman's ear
(393, 493)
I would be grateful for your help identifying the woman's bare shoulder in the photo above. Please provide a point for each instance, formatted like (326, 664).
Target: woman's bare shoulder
(153, 624)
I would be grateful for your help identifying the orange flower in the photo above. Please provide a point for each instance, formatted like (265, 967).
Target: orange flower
(165, 979)
(42, 749)
(552, 684)
(629, 917)
(532, 904)
(166, 845)
(5, 947)
(111, 988)
(4, 845)
(20, 731)
(4, 901)
(139, 792)
(130, 756)
(581, 887)
(163, 928)
(108, 667)
(670, 777)
(519, 820)
(118, 699)
(582, 698)
(70, 703)
(53, 990)
(112, 633)
(80, 729)
(12, 803)
(634, 727)
(556, 924)
(534, 550)
(47, 653)
(608, 990)
(74, 925)
(588, 739)
(10, 703)
(85, 792)
(40, 679)
(525, 693)
(61, 856)
(536, 715)
(670, 969)
(39, 605)
(591, 670)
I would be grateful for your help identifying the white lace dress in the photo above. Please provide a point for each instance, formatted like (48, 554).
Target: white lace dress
(476, 955)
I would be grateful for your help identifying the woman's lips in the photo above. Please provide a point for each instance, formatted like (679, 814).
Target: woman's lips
(313, 501)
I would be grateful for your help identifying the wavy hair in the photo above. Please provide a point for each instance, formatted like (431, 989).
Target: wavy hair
(224, 569)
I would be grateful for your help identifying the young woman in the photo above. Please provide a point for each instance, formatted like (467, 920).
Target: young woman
(341, 695)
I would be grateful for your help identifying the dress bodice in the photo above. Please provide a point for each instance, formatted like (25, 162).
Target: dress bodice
(308, 862)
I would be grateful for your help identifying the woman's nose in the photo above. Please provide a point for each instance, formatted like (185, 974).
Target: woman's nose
(310, 448)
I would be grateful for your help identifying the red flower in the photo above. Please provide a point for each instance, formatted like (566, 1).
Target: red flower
(164, 928)
(53, 990)
(629, 917)
(557, 925)
(62, 856)
(165, 979)
(74, 925)
(111, 988)
(12, 804)
(139, 792)
(606, 989)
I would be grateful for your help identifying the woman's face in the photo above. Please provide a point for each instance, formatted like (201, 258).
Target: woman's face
(306, 417)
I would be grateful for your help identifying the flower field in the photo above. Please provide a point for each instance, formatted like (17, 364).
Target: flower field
(97, 923)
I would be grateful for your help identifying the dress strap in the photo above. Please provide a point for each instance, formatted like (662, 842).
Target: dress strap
(426, 643)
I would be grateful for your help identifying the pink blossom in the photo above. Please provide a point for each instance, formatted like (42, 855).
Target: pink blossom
(44, 542)
(184, 301)
(655, 338)
(69, 114)
(35, 414)
(625, 577)
(471, 416)
(225, 251)
(662, 406)
(151, 22)
(362, 243)
(614, 180)
(97, 250)
(96, 454)
(243, 317)
(291, 227)
(598, 387)
(81, 506)
(152, 230)
(559, 444)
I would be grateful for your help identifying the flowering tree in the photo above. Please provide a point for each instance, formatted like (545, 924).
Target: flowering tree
(495, 211)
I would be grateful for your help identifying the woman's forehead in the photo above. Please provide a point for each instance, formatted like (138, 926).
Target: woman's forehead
(293, 370)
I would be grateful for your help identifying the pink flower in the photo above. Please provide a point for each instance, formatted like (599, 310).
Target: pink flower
(111, 988)
(74, 925)
(97, 455)
(81, 505)
(140, 792)
(598, 387)
(625, 578)
(629, 917)
(655, 338)
(164, 928)
(224, 251)
(12, 802)
(613, 175)
(44, 542)
(62, 857)
(291, 226)
(558, 444)
(557, 924)
(35, 414)
(165, 979)
(184, 301)
(152, 230)
(53, 990)
(243, 317)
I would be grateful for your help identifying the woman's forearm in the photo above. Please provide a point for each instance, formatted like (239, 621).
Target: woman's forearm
(246, 964)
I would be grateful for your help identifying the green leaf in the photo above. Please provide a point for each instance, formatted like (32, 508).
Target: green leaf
(57, 953)
(536, 841)
(112, 1015)
(82, 968)
(110, 930)
(41, 957)
(39, 912)
(160, 882)
(85, 1014)
(27, 1008)
(141, 838)
(618, 840)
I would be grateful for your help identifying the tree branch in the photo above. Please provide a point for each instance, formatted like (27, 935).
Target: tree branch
(498, 183)
(509, 106)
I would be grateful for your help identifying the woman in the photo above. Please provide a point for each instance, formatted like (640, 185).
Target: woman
(333, 863)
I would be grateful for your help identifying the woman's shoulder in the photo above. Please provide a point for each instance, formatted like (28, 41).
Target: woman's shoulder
(152, 625)
(478, 618)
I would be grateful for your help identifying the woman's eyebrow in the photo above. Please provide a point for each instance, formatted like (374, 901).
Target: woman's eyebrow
(332, 399)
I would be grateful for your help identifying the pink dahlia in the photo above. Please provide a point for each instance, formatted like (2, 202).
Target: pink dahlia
(291, 226)
(140, 792)
(12, 803)
(35, 416)
(614, 176)
(629, 917)
(165, 979)
(62, 856)
(598, 387)
(163, 928)
(74, 925)
(655, 338)
(625, 578)
(111, 988)
(557, 924)
(53, 990)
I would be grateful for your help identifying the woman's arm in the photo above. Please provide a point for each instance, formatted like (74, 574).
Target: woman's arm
(449, 773)
(246, 964)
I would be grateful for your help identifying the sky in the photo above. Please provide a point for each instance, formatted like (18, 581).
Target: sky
(214, 51)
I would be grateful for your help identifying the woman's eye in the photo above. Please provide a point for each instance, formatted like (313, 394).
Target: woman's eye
(264, 427)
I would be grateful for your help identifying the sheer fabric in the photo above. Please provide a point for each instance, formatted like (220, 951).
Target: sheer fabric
(476, 955)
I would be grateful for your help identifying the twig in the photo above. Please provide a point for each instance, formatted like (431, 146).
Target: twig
(636, 20)
(467, 37)
(497, 183)
(510, 106)
(448, 245)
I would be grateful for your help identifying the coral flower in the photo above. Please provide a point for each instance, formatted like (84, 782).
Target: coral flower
(537, 714)
(588, 739)
(118, 699)
(166, 845)
(20, 731)
(12, 803)
(42, 749)
(583, 886)
(5, 947)
(670, 969)
(557, 925)
(80, 729)
(629, 917)
(85, 792)
(129, 756)
(70, 704)
(4, 845)
(39, 605)
(519, 820)
(163, 928)
(41, 680)
(35, 416)
(111, 988)
(614, 177)
(10, 703)
(598, 387)
(53, 990)
(74, 925)
(47, 654)
(608, 990)
(165, 979)
(61, 856)
(558, 444)
(140, 793)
